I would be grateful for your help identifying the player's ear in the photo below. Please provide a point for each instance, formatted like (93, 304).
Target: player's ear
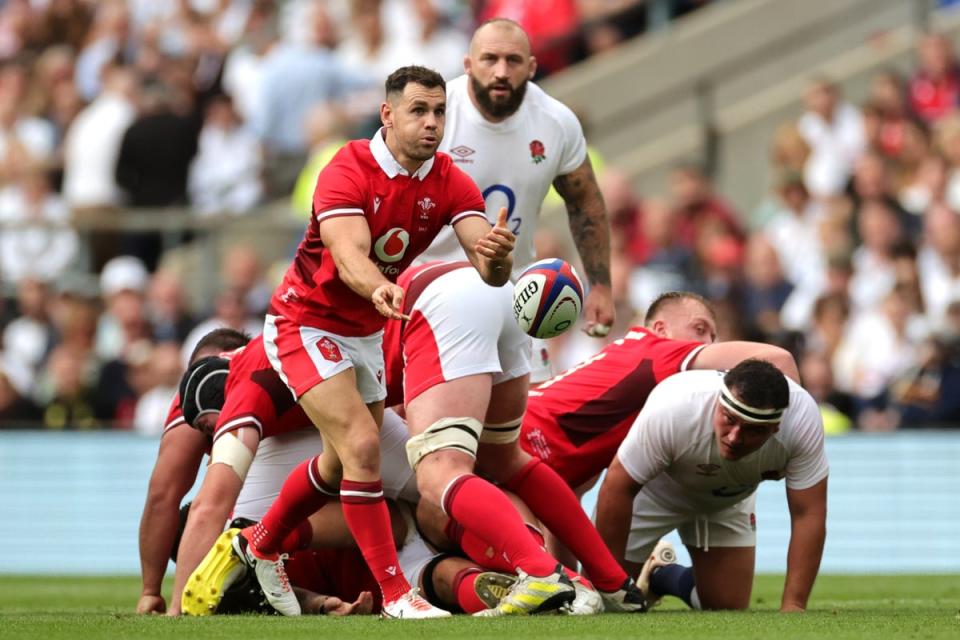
(386, 114)
(467, 63)
(659, 327)
(533, 68)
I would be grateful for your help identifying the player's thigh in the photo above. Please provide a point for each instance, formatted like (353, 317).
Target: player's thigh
(337, 409)
(508, 399)
(465, 397)
(724, 576)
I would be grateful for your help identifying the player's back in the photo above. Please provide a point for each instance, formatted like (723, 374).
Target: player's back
(576, 420)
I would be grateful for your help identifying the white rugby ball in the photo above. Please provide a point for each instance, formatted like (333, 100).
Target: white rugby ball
(547, 298)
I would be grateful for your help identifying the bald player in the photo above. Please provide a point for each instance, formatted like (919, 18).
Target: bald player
(515, 141)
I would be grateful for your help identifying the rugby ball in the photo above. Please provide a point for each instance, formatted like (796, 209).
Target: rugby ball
(547, 298)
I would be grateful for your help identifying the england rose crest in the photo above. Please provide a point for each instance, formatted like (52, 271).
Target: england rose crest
(537, 152)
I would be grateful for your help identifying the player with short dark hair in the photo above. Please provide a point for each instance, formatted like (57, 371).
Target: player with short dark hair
(692, 461)
(378, 204)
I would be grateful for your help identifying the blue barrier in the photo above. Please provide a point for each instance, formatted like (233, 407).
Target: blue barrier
(71, 504)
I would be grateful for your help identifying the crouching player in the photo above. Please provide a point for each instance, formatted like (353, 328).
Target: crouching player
(692, 461)
(461, 366)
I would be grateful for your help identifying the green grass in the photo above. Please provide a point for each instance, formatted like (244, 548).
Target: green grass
(922, 607)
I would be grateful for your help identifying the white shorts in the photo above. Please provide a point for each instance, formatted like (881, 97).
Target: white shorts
(541, 369)
(413, 557)
(735, 526)
(305, 356)
(278, 455)
(460, 326)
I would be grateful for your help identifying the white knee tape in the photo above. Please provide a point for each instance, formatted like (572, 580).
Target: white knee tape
(504, 433)
(459, 434)
(228, 450)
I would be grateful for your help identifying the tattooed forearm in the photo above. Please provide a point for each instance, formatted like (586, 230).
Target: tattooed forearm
(588, 221)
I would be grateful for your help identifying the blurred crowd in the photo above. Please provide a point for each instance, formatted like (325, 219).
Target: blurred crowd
(852, 261)
(214, 107)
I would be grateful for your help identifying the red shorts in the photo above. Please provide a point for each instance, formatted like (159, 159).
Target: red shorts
(305, 356)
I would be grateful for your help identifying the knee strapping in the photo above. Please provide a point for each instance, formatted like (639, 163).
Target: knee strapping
(503, 433)
(458, 434)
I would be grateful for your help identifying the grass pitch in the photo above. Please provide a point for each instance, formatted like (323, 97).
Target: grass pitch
(88, 608)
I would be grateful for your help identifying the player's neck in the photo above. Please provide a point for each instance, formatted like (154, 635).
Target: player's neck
(410, 165)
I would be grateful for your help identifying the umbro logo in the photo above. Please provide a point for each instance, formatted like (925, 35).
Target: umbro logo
(461, 153)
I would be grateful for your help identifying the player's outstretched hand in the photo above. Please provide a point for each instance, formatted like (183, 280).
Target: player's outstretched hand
(151, 604)
(388, 299)
(598, 311)
(498, 243)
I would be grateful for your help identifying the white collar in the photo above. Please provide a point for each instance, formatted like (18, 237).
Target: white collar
(389, 164)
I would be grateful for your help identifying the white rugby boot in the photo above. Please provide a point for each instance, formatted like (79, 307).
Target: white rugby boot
(627, 599)
(662, 554)
(271, 575)
(412, 606)
(587, 601)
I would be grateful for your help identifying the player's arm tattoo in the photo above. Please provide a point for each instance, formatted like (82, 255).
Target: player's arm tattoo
(588, 220)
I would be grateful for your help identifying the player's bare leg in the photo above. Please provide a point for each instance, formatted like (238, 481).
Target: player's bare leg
(352, 431)
(723, 576)
(551, 500)
(445, 423)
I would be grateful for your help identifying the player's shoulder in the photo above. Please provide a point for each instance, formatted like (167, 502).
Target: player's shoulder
(689, 387)
(803, 412)
(542, 104)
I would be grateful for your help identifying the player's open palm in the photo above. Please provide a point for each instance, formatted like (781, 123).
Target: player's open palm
(499, 241)
(388, 299)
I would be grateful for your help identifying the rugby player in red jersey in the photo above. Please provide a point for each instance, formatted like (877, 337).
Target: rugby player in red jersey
(377, 205)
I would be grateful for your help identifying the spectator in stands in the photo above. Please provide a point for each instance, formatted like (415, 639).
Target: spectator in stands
(828, 324)
(39, 242)
(928, 187)
(241, 270)
(67, 397)
(835, 407)
(935, 85)
(794, 231)
(90, 153)
(230, 311)
(551, 24)
(121, 382)
(294, 78)
(17, 411)
(53, 94)
(938, 263)
(30, 337)
(834, 131)
(106, 42)
(873, 261)
(24, 138)
(325, 130)
(123, 285)
(167, 308)
(788, 157)
(878, 348)
(889, 101)
(67, 22)
(947, 138)
(225, 176)
(662, 263)
(698, 206)
(243, 66)
(153, 161)
(164, 379)
(436, 44)
(764, 291)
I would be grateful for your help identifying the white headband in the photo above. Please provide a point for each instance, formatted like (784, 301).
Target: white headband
(745, 411)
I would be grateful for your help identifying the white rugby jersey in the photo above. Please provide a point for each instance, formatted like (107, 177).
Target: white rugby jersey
(514, 162)
(672, 450)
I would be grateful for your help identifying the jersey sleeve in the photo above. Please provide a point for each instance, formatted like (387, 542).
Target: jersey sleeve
(672, 356)
(174, 416)
(574, 143)
(808, 460)
(340, 189)
(246, 405)
(465, 197)
(648, 448)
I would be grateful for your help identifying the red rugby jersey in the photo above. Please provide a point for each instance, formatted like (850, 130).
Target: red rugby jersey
(404, 212)
(580, 416)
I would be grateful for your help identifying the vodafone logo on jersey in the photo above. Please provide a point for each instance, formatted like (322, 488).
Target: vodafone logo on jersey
(391, 246)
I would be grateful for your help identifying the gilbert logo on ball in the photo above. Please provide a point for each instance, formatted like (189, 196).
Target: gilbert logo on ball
(547, 298)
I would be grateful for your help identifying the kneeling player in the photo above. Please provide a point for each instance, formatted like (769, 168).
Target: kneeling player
(692, 461)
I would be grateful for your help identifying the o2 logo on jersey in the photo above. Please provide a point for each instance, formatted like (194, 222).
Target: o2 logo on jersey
(510, 204)
(391, 246)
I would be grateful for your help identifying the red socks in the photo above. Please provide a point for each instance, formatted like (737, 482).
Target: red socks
(485, 511)
(557, 507)
(464, 591)
(299, 539)
(369, 520)
(303, 493)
